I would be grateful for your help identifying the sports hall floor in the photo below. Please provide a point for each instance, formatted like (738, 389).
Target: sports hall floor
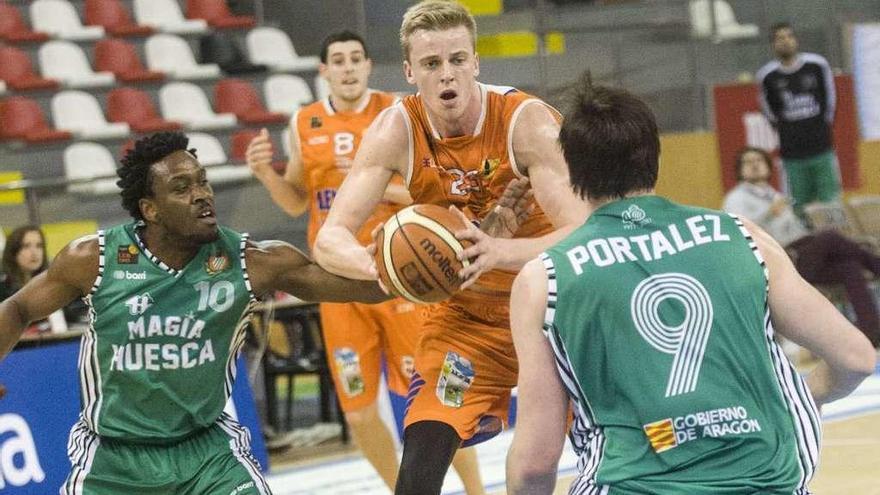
(850, 460)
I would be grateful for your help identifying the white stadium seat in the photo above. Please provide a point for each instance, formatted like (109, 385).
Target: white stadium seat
(172, 54)
(165, 15)
(725, 21)
(59, 18)
(285, 93)
(66, 62)
(187, 103)
(271, 46)
(86, 161)
(81, 114)
(210, 154)
(2, 87)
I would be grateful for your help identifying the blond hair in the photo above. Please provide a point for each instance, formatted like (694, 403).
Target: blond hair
(435, 15)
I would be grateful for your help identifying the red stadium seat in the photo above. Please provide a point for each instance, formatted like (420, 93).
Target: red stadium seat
(17, 71)
(114, 17)
(240, 142)
(135, 108)
(239, 97)
(217, 13)
(120, 58)
(13, 29)
(21, 118)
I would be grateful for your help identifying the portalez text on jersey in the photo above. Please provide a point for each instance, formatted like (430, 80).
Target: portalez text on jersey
(152, 356)
(668, 241)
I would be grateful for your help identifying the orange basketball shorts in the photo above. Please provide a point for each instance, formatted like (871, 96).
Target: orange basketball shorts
(465, 368)
(357, 336)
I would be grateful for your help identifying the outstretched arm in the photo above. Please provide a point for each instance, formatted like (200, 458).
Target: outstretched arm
(802, 314)
(542, 401)
(276, 265)
(70, 275)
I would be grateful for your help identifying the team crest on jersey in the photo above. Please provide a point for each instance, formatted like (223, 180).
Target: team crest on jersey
(489, 166)
(316, 122)
(634, 216)
(127, 255)
(137, 305)
(216, 263)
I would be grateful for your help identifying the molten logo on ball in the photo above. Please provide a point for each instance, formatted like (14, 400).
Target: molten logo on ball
(439, 258)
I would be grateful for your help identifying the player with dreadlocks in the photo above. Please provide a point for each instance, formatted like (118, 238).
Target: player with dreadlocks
(169, 296)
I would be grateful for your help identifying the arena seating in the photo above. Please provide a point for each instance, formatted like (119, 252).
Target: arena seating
(13, 29)
(22, 119)
(81, 114)
(165, 15)
(59, 19)
(285, 93)
(172, 54)
(135, 108)
(18, 72)
(120, 57)
(272, 47)
(66, 62)
(240, 98)
(217, 14)
(187, 103)
(85, 161)
(114, 18)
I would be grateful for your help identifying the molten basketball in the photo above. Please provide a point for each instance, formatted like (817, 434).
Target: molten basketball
(417, 253)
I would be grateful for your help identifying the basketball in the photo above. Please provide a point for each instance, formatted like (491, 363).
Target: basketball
(417, 253)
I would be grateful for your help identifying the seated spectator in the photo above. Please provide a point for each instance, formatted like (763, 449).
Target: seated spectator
(824, 257)
(23, 259)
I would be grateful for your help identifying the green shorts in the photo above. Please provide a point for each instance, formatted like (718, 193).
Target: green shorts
(812, 179)
(215, 461)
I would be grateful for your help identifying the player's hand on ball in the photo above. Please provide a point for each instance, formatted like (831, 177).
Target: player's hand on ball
(483, 253)
(372, 248)
(259, 154)
(510, 211)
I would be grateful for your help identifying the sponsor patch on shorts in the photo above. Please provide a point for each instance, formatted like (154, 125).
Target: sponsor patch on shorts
(456, 376)
(348, 365)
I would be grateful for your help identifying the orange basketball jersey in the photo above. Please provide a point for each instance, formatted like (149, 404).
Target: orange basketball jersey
(471, 171)
(328, 141)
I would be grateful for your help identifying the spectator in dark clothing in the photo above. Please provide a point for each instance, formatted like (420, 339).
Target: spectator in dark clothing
(797, 95)
(825, 257)
(23, 259)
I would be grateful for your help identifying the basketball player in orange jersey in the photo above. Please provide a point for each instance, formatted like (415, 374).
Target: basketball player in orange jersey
(323, 139)
(457, 142)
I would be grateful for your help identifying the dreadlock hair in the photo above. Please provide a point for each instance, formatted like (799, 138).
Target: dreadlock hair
(135, 179)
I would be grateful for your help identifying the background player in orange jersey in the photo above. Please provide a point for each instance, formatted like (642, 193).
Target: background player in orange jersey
(323, 140)
(457, 142)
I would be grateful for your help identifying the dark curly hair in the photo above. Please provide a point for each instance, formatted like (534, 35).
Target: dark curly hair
(135, 179)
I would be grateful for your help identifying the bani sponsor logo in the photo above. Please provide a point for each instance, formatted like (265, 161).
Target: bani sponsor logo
(125, 275)
(20, 463)
(671, 432)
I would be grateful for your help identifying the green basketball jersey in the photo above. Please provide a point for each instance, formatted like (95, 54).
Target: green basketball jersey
(158, 360)
(658, 317)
